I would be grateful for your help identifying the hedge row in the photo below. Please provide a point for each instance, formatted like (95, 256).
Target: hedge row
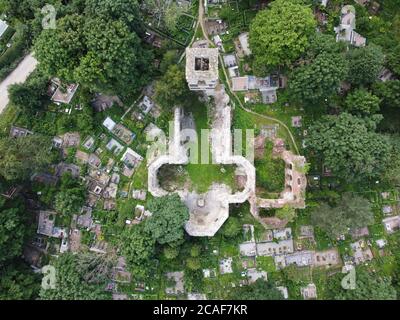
(19, 44)
(7, 35)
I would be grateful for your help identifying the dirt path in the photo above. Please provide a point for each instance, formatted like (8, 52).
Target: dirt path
(133, 105)
(19, 75)
(201, 19)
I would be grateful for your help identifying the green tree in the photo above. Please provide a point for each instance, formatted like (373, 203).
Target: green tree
(320, 79)
(20, 158)
(65, 123)
(164, 13)
(18, 282)
(362, 102)
(21, 9)
(349, 146)
(30, 96)
(169, 217)
(94, 268)
(137, 246)
(279, 35)
(193, 280)
(193, 263)
(232, 227)
(70, 201)
(169, 58)
(171, 89)
(170, 253)
(195, 250)
(85, 120)
(392, 172)
(389, 92)
(114, 61)
(351, 212)
(71, 197)
(286, 213)
(365, 64)
(12, 230)
(70, 284)
(60, 50)
(394, 60)
(369, 286)
(172, 15)
(259, 290)
(124, 10)
(324, 43)
(99, 49)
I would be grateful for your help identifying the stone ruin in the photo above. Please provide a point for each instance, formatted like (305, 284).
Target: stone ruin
(209, 211)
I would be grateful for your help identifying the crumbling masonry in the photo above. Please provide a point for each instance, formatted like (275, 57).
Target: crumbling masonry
(209, 211)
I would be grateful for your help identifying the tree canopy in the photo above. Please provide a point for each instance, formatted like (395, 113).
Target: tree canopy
(124, 10)
(171, 88)
(70, 201)
(286, 213)
(29, 97)
(365, 64)
(349, 146)
(169, 217)
(164, 13)
(232, 227)
(324, 43)
(320, 79)
(351, 212)
(394, 60)
(362, 102)
(392, 172)
(12, 230)
(21, 157)
(71, 196)
(70, 284)
(99, 49)
(137, 246)
(18, 282)
(259, 290)
(279, 34)
(369, 286)
(389, 92)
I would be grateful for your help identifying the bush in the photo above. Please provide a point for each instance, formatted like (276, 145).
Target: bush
(7, 36)
(19, 44)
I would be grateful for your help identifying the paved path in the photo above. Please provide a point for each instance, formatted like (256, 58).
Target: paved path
(19, 75)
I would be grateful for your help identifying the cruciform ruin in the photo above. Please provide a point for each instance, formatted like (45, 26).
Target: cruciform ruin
(210, 210)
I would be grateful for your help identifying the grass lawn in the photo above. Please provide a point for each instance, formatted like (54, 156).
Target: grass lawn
(323, 242)
(202, 176)
(245, 120)
(376, 231)
(227, 249)
(321, 277)
(270, 172)
(386, 265)
(266, 263)
(7, 118)
(140, 177)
